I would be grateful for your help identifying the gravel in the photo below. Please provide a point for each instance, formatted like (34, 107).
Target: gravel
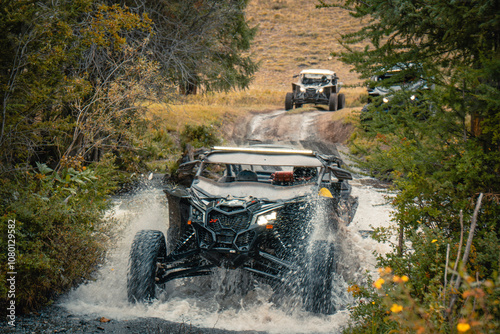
(55, 319)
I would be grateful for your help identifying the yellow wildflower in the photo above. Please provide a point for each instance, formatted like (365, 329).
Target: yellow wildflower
(463, 327)
(378, 283)
(400, 279)
(435, 240)
(396, 308)
(354, 289)
(386, 270)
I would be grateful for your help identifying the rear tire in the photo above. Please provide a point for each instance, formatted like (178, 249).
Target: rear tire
(289, 101)
(341, 101)
(333, 102)
(318, 278)
(148, 248)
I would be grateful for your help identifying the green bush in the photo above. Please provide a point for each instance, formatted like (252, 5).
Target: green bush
(60, 233)
(199, 136)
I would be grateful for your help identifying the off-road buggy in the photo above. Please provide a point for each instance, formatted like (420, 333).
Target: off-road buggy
(249, 209)
(318, 87)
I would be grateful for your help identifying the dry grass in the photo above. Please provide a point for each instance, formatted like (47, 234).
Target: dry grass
(293, 35)
(216, 108)
(253, 99)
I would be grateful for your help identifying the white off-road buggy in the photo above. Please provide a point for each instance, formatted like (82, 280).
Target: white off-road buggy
(316, 86)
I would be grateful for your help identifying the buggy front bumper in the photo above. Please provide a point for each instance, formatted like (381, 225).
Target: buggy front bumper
(310, 97)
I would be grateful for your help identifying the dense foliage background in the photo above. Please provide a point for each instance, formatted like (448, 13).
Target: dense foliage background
(444, 158)
(75, 80)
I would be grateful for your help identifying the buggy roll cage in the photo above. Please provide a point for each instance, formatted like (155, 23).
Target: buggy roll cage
(330, 162)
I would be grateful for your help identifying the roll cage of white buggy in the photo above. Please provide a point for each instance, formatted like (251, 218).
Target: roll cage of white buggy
(317, 86)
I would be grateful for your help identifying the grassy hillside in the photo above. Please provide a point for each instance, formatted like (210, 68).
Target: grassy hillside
(294, 35)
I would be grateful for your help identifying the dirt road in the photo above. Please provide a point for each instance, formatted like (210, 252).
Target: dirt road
(301, 128)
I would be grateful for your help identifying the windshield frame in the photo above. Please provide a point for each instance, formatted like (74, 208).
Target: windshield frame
(265, 191)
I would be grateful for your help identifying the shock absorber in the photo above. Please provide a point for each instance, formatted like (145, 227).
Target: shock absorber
(188, 235)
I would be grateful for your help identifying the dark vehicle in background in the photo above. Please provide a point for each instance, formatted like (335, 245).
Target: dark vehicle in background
(316, 86)
(400, 86)
(249, 209)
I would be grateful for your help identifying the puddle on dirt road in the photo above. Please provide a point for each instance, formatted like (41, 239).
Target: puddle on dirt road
(215, 301)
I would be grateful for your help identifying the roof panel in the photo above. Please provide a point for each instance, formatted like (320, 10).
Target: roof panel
(318, 71)
(263, 159)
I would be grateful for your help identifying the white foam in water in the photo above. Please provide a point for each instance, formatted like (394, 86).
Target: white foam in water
(213, 302)
(373, 211)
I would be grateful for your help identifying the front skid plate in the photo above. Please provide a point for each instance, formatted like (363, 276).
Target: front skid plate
(193, 268)
(302, 101)
(190, 272)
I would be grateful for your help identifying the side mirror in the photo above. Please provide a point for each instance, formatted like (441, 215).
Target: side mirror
(340, 173)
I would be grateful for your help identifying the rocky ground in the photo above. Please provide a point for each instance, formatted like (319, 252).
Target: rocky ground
(55, 319)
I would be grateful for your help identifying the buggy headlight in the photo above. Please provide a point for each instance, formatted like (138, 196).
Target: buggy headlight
(412, 97)
(320, 90)
(196, 215)
(385, 99)
(302, 89)
(267, 218)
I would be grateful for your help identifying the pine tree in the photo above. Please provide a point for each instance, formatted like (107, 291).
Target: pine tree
(442, 162)
(200, 43)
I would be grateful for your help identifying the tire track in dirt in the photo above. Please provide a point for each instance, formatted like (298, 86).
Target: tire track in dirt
(286, 128)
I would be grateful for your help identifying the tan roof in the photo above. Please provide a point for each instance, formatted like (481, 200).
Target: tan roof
(317, 71)
(264, 157)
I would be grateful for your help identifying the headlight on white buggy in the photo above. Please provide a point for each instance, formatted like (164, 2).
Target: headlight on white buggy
(320, 90)
(302, 89)
(267, 218)
(412, 97)
(385, 99)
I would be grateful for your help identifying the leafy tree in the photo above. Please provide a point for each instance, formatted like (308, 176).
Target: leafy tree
(200, 43)
(70, 82)
(442, 162)
(76, 74)
(73, 79)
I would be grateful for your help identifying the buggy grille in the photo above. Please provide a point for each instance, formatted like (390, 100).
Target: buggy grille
(205, 236)
(225, 238)
(310, 92)
(245, 239)
(218, 221)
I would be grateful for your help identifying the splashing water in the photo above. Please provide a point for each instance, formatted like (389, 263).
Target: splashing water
(221, 300)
